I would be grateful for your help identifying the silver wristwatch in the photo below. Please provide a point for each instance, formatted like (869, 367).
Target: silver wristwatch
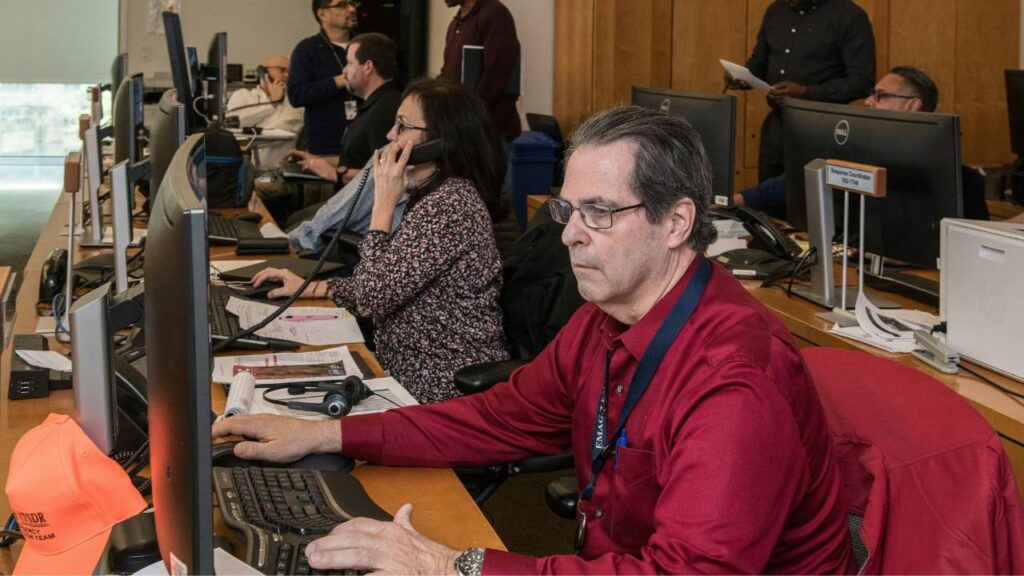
(470, 562)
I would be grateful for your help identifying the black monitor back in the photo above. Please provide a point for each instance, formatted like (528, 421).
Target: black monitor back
(920, 152)
(217, 75)
(714, 118)
(178, 365)
(167, 133)
(128, 120)
(179, 66)
(1015, 108)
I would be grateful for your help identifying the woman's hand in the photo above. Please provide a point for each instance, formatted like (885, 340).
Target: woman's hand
(390, 181)
(323, 167)
(290, 280)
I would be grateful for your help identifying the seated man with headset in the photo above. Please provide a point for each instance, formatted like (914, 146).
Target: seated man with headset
(699, 439)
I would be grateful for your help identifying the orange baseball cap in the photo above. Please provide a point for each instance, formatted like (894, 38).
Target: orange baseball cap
(66, 495)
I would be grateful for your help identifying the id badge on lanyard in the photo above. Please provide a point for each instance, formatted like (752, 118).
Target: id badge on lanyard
(351, 110)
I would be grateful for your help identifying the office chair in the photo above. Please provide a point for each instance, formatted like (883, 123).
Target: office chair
(928, 484)
(538, 298)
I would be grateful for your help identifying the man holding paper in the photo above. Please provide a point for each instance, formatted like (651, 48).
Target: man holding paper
(820, 50)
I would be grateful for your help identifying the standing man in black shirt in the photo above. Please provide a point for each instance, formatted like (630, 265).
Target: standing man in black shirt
(316, 80)
(811, 49)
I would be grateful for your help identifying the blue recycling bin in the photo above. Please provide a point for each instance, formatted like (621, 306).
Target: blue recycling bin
(532, 170)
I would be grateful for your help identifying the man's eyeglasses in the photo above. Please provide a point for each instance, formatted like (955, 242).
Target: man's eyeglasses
(880, 95)
(402, 127)
(343, 4)
(595, 216)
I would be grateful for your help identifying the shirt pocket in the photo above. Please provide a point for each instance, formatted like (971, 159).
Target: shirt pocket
(636, 492)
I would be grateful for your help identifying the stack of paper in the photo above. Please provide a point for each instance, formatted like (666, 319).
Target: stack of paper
(313, 325)
(891, 330)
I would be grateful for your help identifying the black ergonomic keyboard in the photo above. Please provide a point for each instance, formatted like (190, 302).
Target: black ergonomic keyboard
(228, 230)
(281, 510)
(292, 170)
(223, 324)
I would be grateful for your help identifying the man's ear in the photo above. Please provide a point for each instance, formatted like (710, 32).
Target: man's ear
(680, 219)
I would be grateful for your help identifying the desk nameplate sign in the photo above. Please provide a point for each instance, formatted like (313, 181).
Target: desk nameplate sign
(856, 178)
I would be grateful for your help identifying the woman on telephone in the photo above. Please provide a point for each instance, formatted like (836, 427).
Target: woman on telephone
(432, 283)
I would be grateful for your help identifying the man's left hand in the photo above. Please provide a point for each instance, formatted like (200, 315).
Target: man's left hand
(382, 548)
(786, 89)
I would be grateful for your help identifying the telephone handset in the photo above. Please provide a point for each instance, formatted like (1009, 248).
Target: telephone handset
(766, 235)
(53, 275)
(261, 72)
(426, 152)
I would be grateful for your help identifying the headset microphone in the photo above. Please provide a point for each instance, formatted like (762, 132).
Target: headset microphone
(338, 401)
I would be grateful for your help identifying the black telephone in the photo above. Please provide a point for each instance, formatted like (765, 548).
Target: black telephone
(261, 72)
(426, 152)
(766, 235)
(51, 279)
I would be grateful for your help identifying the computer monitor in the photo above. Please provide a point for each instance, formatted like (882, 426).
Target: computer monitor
(217, 75)
(1015, 108)
(167, 133)
(178, 365)
(920, 152)
(714, 118)
(119, 70)
(183, 82)
(195, 69)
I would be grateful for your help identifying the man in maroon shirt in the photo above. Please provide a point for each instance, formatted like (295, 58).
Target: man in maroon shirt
(724, 464)
(487, 23)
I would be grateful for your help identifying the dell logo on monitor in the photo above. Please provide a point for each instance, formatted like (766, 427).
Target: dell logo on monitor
(665, 105)
(842, 133)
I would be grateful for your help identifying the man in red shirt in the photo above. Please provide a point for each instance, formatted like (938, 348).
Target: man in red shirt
(487, 23)
(700, 442)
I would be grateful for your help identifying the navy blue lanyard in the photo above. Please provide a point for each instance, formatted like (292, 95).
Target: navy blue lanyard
(649, 363)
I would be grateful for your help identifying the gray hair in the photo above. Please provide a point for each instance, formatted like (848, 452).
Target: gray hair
(669, 162)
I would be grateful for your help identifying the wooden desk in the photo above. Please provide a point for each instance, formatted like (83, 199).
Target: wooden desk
(443, 510)
(1003, 412)
(535, 202)
(1003, 210)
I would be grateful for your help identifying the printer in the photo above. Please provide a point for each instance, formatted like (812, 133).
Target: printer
(981, 293)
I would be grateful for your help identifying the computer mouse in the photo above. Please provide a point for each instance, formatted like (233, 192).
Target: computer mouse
(260, 293)
(249, 217)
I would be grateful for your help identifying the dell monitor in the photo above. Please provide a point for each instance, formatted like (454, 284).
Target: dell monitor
(195, 69)
(714, 118)
(178, 365)
(920, 152)
(167, 133)
(217, 75)
(183, 81)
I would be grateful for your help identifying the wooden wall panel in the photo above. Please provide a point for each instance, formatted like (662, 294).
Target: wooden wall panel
(574, 62)
(632, 45)
(988, 41)
(934, 52)
(704, 32)
(757, 106)
(878, 14)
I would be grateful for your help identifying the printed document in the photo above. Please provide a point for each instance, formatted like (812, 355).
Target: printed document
(313, 325)
(224, 367)
(742, 73)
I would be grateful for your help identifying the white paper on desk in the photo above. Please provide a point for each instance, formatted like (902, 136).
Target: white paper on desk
(137, 235)
(224, 366)
(387, 393)
(879, 325)
(47, 359)
(271, 230)
(218, 267)
(342, 328)
(724, 244)
(858, 334)
(46, 325)
(742, 73)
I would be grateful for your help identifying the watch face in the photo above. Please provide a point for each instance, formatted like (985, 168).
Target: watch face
(470, 562)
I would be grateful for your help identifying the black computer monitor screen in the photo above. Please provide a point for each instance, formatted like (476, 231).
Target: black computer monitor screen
(121, 120)
(714, 118)
(920, 152)
(166, 134)
(178, 369)
(118, 70)
(217, 76)
(179, 66)
(1015, 107)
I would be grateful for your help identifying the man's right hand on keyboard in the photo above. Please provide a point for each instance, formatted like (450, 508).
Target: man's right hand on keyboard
(281, 439)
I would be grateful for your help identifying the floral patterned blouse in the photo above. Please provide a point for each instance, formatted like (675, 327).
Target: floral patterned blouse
(432, 287)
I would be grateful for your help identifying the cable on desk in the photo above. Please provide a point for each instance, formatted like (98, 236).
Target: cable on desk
(57, 309)
(309, 278)
(999, 387)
